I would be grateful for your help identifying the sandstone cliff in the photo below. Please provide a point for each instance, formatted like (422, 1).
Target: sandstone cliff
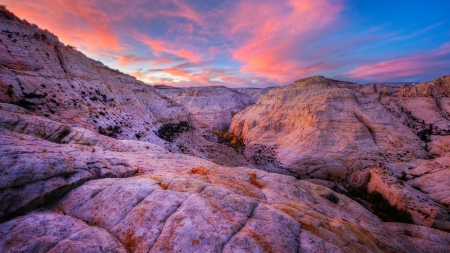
(361, 136)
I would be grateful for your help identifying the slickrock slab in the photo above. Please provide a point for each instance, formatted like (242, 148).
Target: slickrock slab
(51, 232)
(426, 239)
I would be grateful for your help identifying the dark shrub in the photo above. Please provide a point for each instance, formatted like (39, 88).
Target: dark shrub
(332, 198)
(380, 206)
(170, 131)
(111, 131)
(30, 106)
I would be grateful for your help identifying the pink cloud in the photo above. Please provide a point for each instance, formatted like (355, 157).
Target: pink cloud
(274, 32)
(169, 8)
(426, 62)
(160, 46)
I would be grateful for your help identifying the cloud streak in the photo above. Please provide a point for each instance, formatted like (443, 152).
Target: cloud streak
(430, 63)
(240, 42)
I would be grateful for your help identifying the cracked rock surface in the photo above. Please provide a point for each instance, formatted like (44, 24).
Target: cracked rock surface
(385, 138)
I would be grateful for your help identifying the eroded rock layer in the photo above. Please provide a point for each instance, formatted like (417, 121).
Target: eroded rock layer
(388, 139)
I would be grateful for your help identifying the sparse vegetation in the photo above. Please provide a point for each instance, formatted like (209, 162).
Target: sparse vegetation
(236, 142)
(425, 134)
(332, 198)
(71, 47)
(379, 205)
(34, 95)
(40, 36)
(30, 106)
(111, 131)
(169, 131)
(10, 91)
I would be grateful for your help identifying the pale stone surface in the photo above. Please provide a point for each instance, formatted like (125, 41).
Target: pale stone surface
(425, 239)
(439, 87)
(200, 206)
(212, 107)
(423, 209)
(323, 128)
(358, 135)
(52, 232)
(250, 211)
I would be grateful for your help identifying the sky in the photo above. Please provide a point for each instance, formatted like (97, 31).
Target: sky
(253, 43)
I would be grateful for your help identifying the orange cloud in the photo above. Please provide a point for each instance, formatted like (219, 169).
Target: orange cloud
(259, 39)
(78, 23)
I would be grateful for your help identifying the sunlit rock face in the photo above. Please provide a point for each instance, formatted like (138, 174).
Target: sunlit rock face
(376, 136)
(324, 128)
(67, 185)
(436, 88)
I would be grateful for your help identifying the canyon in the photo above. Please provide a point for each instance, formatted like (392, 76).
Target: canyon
(94, 160)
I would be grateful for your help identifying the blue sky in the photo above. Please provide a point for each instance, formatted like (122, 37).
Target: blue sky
(254, 42)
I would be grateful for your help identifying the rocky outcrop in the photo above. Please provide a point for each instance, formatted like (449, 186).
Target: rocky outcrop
(40, 74)
(426, 239)
(323, 128)
(361, 136)
(190, 202)
(436, 88)
(53, 80)
(52, 232)
(404, 196)
(195, 205)
(212, 107)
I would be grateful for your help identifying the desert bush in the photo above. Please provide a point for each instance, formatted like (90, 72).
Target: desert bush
(111, 131)
(170, 131)
(236, 142)
(332, 198)
(379, 205)
(30, 106)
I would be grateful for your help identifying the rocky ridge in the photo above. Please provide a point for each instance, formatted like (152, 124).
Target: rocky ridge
(359, 136)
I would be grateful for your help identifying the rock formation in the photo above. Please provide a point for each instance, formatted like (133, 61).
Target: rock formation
(93, 160)
(212, 107)
(362, 136)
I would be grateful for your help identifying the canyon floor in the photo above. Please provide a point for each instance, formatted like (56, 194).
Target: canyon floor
(93, 160)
